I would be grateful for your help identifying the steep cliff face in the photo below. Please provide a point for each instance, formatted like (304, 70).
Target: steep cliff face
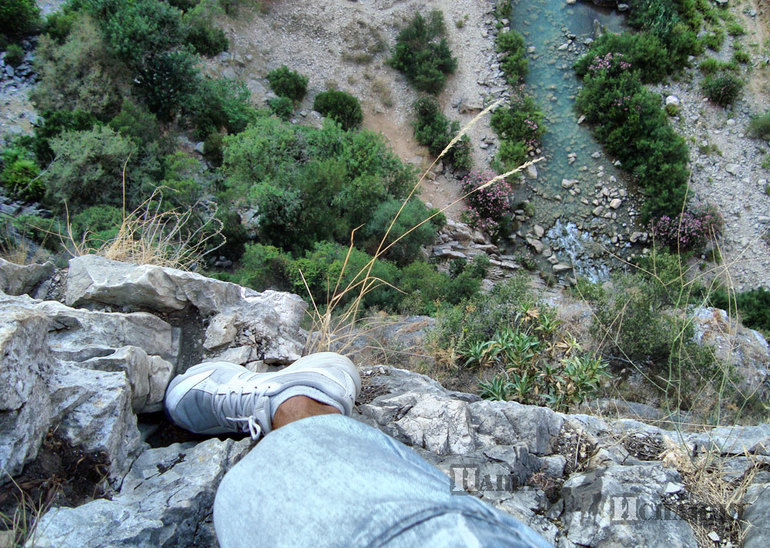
(86, 360)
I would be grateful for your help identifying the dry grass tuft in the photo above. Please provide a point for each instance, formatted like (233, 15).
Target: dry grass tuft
(710, 503)
(152, 235)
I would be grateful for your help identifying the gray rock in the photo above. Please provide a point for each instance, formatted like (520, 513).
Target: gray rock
(756, 516)
(165, 500)
(622, 506)
(732, 169)
(79, 335)
(508, 423)
(26, 413)
(92, 409)
(746, 349)
(147, 375)
(17, 279)
(537, 245)
(269, 321)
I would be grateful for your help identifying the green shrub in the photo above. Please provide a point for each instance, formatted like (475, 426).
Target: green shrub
(283, 107)
(514, 62)
(426, 291)
(18, 16)
(142, 29)
(58, 24)
(434, 130)
(213, 148)
(166, 82)
(218, 104)
(740, 55)
(136, 123)
(265, 267)
(711, 65)
(340, 107)
(631, 124)
(88, 170)
(21, 179)
(735, 29)
(422, 53)
(80, 74)
(343, 178)
(672, 109)
(519, 127)
(14, 55)
(714, 39)
(410, 239)
(288, 83)
(97, 225)
(759, 127)
(199, 31)
(723, 89)
(329, 268)
(52, 123)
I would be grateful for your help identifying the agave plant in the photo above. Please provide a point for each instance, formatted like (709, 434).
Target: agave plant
(496, 389)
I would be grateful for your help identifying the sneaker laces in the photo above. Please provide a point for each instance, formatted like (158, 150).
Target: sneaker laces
(236, 409)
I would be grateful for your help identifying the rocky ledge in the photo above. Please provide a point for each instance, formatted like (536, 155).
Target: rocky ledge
(88, 352)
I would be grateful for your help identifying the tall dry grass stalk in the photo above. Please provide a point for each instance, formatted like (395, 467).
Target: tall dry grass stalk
(332, 328)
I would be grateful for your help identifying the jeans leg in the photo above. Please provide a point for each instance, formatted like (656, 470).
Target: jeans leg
(332, 481)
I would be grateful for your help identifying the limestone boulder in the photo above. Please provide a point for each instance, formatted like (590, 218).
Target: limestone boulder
(20, 279)
(26, 412)
(235, 316)
(756, 516)
(92, 410)
(746, 349)
(165, 500)
(147, 375)
(623, 506)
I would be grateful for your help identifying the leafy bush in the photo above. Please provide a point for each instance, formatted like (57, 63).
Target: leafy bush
(520, 128)
(714, 39)
(288, 83)
(199, 31)
(88, 170)
(489, 205)
(136, 123)
(434, 130)
(426, 291)
(329, 268)
(80, 74)
(340, 107)
(759, 126)
(140, 30)
(166, 81)
(690, 230)
(97, 225)
(264, 267)
(422, 53)
(20, 174)
(18, 16)
(407, 229)
(283, 107)
(14, 55)
(52, 124)
(723, 89)
(514, 62)
(342, 180)
(218, 104)
(631, 124)
(642, 51)
(58, 24)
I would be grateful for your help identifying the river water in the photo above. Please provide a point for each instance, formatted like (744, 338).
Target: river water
(559, 33)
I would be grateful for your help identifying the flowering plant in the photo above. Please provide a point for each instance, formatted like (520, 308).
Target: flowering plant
(487, 205)
(688, 230)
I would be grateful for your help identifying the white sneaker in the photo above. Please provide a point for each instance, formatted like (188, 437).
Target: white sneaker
(222, 397)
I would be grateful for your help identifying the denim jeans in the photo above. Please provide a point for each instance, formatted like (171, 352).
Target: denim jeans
(332, 481)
